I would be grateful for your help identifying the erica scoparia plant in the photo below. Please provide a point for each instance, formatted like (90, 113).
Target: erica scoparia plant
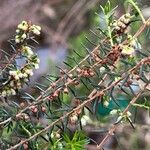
(74, 98)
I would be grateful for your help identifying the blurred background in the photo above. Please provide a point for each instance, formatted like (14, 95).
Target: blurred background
(65, 25)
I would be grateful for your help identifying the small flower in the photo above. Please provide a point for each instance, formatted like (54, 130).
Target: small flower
(35, 110)
(117, 28)
(126, 21)
(20, 75)
(52, 135)
(84, 120)
(26, 80)
(57, 135)
(11, 83)
(18, 85)
(26, 117)
(115, 24)
(23, 26)
(27, 51)
(13, 92)
(38, 60)
(106, 103)
(102, 69)
(25, 146)
(128, 50)
(17, 39)
(35, 29)
(25, 75)
(117, 79)
(38, 27)
(123, 26)
(119, 23)
(23, 36)
(36, 66)
(113, 112)
(4, 93)
(73, 119)
(8, 92)
(13, 73)
(29, 72)
(119, 118)
(127, 15)
(16, 77)
(60, 145)
(66, 90)
(37, 32)
(17, 31)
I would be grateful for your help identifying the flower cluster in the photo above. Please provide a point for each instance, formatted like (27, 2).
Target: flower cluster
(23, 29)
(18, 77)
(120, 25)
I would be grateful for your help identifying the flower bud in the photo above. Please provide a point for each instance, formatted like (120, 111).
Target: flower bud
(36, 66)
(43, 109)
(128, 114)
(25, 75)
(4, 93)
(18, 85)
(26, 117)
(123, 26)
(13, 92)
(38, 60)
(17, 31)
(127, 15)
(13, 73)
(119, 24)
(22, 104)
(66, 90)
(20, 75)
(8, 92)
(73, 119)
(16, 77)
(11, 83)
(23, 36)
(57, 135)
(52, 135)
(25, 146)
(38, 28)
(17, 40)
(117, 28)
(29, 72)
(23, 25)
(126, 21)
(106, 103)
(35, 29)
(113, 112)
